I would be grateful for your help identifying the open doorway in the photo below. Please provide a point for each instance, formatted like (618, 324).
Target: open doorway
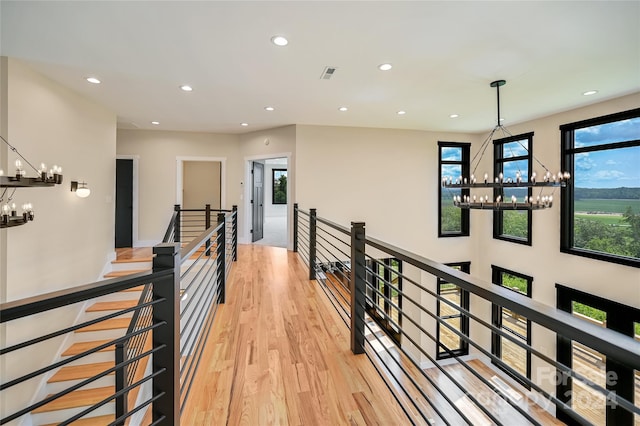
(200, 181)
(269, 201)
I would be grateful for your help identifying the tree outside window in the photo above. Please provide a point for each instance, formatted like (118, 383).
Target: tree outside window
(279, 186)
(601, 204)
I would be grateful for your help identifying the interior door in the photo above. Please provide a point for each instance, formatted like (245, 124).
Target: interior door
(257, 201)
(124, 203)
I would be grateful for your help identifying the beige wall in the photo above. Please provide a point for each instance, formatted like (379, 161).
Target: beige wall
(201, 184)
(158, 152)
(384, 177)
(388, 178)
(71, 238)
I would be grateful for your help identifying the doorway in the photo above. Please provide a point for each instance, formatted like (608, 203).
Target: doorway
(201, 184)
(126, 201)
(267, 200)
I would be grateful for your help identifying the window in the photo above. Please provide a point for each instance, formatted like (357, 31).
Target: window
(513, 155)
(453, 161)
(387, 281)
(608, 373)
(279, 186)
(600, 211)
(513, 324)
(456, 345)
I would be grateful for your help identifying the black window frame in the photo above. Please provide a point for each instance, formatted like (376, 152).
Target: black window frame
(273, 186)
(620, 318)
(465, 166)
(498, 167)
(496, 320)
(373, 309)
(464, 319)
(567, 212)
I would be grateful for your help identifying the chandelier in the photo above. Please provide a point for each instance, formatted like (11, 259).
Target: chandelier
(500, 182)
(10, 183)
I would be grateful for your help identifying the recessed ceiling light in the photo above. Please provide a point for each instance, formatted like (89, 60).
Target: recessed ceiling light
(244, 124)
(343, 109)
(93, 80)
(385, 67)
(269, 108)
(454, 116)
(186, 88)
(590, 92)
(279, 41)
(155, 123)
(401, 112)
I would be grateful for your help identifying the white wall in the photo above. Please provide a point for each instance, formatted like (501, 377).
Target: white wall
(71, 238)
(158, 152)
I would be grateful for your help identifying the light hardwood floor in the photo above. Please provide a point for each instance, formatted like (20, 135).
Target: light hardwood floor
(278, 354)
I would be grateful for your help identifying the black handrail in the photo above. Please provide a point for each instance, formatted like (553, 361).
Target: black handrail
(365, 293)
(44, 302)
(607, 341)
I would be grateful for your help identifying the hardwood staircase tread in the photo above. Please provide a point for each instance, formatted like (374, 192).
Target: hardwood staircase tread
(134, 260)
(110, 324)
(79, 398)
(84, 371)
(112, 306)
(79, 347)
(116, 274)
(139, 288)
(91, 421)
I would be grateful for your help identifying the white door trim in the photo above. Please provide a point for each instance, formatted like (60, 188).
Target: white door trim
(245, 238)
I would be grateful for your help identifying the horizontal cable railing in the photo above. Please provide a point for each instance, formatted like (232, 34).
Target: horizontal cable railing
(389, 299)
(169, 325)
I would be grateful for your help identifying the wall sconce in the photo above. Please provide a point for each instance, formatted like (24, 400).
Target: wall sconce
(80, 188)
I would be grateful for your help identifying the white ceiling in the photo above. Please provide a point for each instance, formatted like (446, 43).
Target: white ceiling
(444, 56)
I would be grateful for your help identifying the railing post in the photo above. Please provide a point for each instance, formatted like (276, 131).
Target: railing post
(168, 335)
(176, 225)
(295, 227)
(235, 233)
(221, 256)
(357, 286)
(121, 382)
(312, 244)
(207, 225)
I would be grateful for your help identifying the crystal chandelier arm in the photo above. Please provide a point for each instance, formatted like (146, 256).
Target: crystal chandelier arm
(13, 148)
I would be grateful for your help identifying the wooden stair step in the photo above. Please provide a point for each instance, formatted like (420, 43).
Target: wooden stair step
(139, 288)
(80, 347)
(112, 306)
(84, 371)
(90, 421)
(79, 398)
(116, 274)
(110, 324)
(133, 260)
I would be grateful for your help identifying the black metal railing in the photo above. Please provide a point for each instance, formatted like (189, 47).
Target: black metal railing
(393, 319)
(179, 299)
(187, 224)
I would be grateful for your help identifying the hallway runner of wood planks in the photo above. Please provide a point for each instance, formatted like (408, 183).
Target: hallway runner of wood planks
(278, 354)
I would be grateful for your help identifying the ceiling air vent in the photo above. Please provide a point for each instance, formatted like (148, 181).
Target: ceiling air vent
(328, 73)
